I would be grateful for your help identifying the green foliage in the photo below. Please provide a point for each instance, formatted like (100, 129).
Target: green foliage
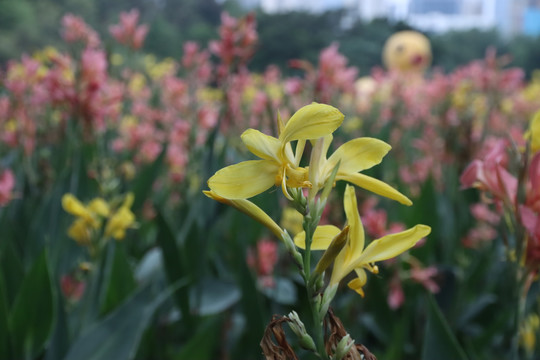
(31, 317)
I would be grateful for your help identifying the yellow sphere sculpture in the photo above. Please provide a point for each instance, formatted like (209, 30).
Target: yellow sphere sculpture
(407, 51)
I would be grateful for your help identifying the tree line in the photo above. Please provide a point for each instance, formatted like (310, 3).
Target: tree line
(28, 25)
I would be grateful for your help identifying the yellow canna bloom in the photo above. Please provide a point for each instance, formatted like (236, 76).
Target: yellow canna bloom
(250, 209)
(73, 206)
(81, 232)
(279, 165)
(292, 220)
(528, 332)
(533, 134)
(353, 256)
(353, 156)
(99, 206)
(121, 220)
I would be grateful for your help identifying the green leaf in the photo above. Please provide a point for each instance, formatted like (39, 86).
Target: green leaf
(173, 265)
(4, 326)
(12, 268)
(32, 315)
(283, 292)
(117, 336)
(121, 282)
(142, 184)
(202, 345)
(60, 339)
(216, 296)
(439, 341)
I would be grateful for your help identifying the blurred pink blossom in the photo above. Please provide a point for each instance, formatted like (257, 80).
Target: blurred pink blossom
(7, 184)
(127, 32)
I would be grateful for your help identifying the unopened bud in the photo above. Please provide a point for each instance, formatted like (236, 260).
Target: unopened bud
(297, 326)
(327, 298)
(343, 347)
(291, 248)
(333, 250)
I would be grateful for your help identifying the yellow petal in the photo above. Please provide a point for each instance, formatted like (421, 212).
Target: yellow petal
(356, 234)
(358, 154)
(99, 206)
(376, 186)
(358, 283)
(392, 245)
(321, 239)
(250, 209)
(245, 179)
(73, 206)
(311, 122)
(264, 146)
(81, 232)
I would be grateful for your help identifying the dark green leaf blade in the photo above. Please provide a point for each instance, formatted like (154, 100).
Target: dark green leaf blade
(31, 317)
(439, 341)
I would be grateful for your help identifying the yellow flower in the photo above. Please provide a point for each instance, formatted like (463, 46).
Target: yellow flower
(80, 232)
(117, 59)
(73, 206)
(528, 332)
(353, 156)
(279, 165)
(353, 256)
(121, 220)
(533, 134)
(292, 220)
(250, 209)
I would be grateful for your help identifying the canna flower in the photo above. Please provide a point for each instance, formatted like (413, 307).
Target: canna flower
(353, 156)
(121, 220)
(7, 183)
(279, 165)
(88, 219)
(533, 134)
(528, 333)
(353, 256)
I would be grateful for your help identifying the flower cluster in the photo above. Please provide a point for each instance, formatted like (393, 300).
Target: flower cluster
(87, 228)
(279, 165)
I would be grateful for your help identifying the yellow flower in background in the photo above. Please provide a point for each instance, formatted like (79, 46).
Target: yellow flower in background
(533, 134)
(73, 206)
(528, 332)
(81, 232)
(89, 218)
(274, 91)
(209, 95)
(354, 156)
(279, 165)
(121, 220)
(161, 69)
(137, 83)
(353, 256)
(117, 59)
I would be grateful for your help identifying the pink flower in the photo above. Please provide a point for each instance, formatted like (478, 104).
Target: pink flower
(396, 296)
(425, 277)
(490, 174)
(127, 32)
(263, 260)
(75, 29)
(7, 183)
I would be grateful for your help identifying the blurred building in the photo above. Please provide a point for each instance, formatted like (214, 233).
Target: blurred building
(531, 18)
(510, 17)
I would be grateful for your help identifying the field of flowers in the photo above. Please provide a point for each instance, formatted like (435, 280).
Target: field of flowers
(121, 177)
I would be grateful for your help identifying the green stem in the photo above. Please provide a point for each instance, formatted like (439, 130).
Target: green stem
(310, 224)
